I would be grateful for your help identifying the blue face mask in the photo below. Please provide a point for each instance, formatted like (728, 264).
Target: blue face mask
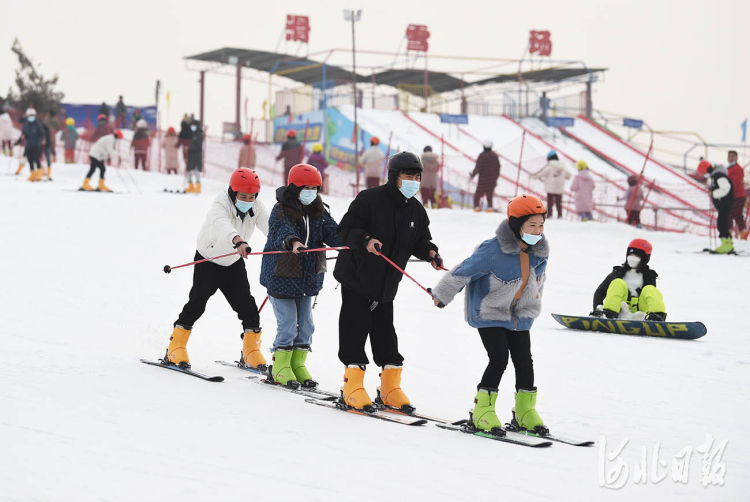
(193, 128)
(409, 188)
(243, 206)
(531, 239)
(31, 119)
(307, 196)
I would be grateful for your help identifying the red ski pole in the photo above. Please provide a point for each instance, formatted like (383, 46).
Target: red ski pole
(167, 269)
(426, 290)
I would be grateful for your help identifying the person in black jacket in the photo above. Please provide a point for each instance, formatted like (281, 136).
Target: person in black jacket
(631, 288)
(722, 195)
(291, 152)
(386, 219)
(32, 135)
(195, 158)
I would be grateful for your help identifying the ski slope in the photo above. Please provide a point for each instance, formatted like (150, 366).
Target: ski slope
(83, 298)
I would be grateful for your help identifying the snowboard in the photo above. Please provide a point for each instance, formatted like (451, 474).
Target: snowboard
(662, 329)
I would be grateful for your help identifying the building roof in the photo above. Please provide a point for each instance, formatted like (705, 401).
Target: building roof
(554, 74)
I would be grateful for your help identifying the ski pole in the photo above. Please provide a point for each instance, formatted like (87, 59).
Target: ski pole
(167, 269)
(262, 305)
(426, 290)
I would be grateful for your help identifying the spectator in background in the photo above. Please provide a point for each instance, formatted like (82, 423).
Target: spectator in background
(319, 162)
(737, 177)
(104, 110)
(70, 137)
(373, 163)
(49, 154)
(140, 144)
(32, 134)
(171, 146)
(554, 174)
(583, 190)
(121, 113)
(247, 153)
(135, 118)
(633, 198)
(102, 128)
(431, 166)
(6, 133)
(186, 135)
(722, 194)
(291, 152)
(488, 169)
(195, 158)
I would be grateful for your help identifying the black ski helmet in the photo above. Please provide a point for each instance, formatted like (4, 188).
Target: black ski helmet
(403, 161)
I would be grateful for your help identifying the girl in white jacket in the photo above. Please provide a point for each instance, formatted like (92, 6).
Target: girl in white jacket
(230, 222)
(104, 148)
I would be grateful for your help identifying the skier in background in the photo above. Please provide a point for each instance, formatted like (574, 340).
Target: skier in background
(195, 158)
(70, 137)
(104, 148)
(633, 198)
(583, 190)
(140, 144)
(428, 186)
(121, 112)
(722, 195)
(231, 221)
(554, 174)
(737, 176)
(372, 161)
(504, 278)
(102, 128)
(629, 291)
(386, 219)
(32, 135)
(319, 162)
(298, 221)
(291, 152)
(186, 135)
(49, 154)
(488, 169)
(247, 153)
(171, 146)
(6, 133)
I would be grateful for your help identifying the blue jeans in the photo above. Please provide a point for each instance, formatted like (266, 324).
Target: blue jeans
(294, 323)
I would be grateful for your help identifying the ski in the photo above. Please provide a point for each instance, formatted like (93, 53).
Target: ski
(337, 405)
(733, 252)
(515, 428)
(237, 364)
(313, 392)
(190, 372)
(169, 190)
(467, 427)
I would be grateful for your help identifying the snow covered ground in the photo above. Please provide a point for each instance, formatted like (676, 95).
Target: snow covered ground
(83, 298)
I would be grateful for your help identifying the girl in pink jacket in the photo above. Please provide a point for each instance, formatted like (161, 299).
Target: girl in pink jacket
(583, 189)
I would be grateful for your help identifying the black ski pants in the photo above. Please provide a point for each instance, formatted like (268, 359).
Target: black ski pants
(34, 156)
(484, 191)
(723, 224)
(498, 342)
(357, 320)
(96, 164)
(233, 284)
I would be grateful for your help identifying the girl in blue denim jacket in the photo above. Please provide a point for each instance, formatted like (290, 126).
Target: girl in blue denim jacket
(504, 279)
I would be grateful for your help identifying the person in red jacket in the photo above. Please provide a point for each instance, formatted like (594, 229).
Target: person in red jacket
(488, 169)
(737, 176)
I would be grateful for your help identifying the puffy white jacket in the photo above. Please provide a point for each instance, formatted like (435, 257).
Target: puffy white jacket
(6, 127)
(103, 148)
(223, 223)
(372, 160)
(554, 175)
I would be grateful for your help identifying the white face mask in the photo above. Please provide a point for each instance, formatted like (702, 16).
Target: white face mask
(633, 260)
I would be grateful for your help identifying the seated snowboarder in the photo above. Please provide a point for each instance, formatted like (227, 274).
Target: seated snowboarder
(629, 291)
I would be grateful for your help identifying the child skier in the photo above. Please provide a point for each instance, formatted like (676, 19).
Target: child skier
(505, 277)
(583, 188)
(70, 135)
(230, 222)
(195, 159)
(722, 195)
(101, 150)
(299, 220)
(629, 291)
(171, 146)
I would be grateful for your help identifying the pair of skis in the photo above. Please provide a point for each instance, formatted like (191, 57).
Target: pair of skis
(328, 399)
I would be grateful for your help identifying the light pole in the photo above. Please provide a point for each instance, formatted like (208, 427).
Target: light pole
(354, 16)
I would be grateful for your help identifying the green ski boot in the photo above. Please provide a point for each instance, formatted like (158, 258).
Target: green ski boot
(726, 246)
(483, 416)
(525, 415)
(301, 374)
(281, 369)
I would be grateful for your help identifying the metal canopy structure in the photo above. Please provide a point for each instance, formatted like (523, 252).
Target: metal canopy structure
(546, 75)
(438, 81)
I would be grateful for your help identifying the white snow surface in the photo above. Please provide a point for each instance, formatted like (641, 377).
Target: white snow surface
(84, 297)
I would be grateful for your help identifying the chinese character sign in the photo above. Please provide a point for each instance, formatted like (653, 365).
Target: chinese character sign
(416, 36)
(297, 28)
(540, 42)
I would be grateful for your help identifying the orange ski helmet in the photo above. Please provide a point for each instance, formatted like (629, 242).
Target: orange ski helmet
(525, 205)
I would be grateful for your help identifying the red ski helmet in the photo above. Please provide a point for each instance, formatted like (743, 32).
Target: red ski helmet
(291, 133)
(704, 167)
(246, 138)
(640, 247)
(118, 133)
(304, 174)
(374, 140)
(244, 180)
